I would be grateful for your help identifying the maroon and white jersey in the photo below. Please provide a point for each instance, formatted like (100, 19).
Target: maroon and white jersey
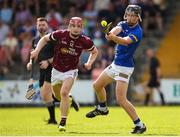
(68, 50)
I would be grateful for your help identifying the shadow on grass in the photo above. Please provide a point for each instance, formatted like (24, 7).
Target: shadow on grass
(118, 133)
(162, 134)
(94, 133)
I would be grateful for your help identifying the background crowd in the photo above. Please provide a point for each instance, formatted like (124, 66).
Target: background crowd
(18, 19)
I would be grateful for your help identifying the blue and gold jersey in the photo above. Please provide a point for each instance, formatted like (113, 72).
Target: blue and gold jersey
(124, 53)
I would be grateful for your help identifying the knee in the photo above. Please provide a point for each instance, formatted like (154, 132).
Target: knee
(122, 101)
(64, 94)
(43, 95)
(96, 86)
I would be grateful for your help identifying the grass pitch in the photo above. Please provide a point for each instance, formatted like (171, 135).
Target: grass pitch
(160, 121)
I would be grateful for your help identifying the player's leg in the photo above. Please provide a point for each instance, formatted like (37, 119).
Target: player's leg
(56, 93)
(46, 93)
(121, 92)
(74, 103)
(100, 91)
(161, 96)
(148, 91)
(64, 104)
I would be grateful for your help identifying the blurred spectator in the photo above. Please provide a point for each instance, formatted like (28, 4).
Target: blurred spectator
(100, 5)
(26, 48)
(22, 14)
(90, 16)
(152, 17)
(155, 77)
(53, 3)
(11, 43)
(54, 19)
(6, 13)
(108, 57)
(33, 6)
(28, 27)
(119, 8)
(72, 12)
(133, 1)
(4, 29)
(98, 41)
(161, 6)
(3, 62)
(108, 14)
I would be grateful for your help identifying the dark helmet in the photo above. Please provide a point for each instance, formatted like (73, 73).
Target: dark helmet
(134, 9)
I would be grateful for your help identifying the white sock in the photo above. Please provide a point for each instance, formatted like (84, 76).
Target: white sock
(102, 108)
(139, 124)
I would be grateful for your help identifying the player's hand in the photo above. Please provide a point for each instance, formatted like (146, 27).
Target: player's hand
(87, 66)
(34, 54)
(110, 36)
(29, 66)
(44, 64)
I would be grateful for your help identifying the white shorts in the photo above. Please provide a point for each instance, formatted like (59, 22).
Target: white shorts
(58, 77)
(119, 72)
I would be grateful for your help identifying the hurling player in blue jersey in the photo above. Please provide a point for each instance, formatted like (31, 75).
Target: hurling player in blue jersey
(127, 35)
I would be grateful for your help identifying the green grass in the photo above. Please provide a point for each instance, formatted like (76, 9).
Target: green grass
(160, 121)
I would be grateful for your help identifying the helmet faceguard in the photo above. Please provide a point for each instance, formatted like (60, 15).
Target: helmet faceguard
(133, 9)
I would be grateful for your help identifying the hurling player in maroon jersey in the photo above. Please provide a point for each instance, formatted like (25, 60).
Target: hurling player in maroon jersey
(70, 44)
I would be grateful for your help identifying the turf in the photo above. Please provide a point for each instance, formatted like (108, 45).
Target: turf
(160, 121)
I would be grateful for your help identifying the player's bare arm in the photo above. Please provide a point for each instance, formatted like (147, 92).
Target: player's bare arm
(42, 42)
(92, 58)
(29, 65)
(119, 40)
(116, 30)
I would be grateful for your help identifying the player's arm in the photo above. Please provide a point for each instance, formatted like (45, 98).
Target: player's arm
(116, 30)
(45, 63)
(92, 57)
(119, 40)
(50, 60)
(42, 42)
(29, 64)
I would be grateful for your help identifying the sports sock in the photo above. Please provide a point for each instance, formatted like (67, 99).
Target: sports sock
(138, 123)
(70, 100)
(162, 98)
(63, 121)
(51, 109)
(102, 106)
